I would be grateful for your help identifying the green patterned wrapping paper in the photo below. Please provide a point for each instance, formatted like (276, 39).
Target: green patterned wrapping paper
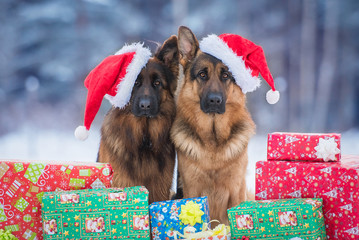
(113, 213)
(299, 219)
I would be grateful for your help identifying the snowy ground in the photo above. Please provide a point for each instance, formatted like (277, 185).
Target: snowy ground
(34, 144)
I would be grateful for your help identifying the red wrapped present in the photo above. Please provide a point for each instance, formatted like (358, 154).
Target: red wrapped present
(303, 146)
(335, 182)
(22, 185)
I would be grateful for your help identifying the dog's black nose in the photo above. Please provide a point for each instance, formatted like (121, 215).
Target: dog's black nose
(144, 103)
(214, 98)
(145, 106)
(213, 102)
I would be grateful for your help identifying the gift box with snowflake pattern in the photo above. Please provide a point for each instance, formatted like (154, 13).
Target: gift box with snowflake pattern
(337, 183)
(169, 217)
(304, 146)
(96, 214)
(299, 219)
(22, 185)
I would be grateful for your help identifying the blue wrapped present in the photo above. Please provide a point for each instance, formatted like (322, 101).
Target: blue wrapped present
(171, 217)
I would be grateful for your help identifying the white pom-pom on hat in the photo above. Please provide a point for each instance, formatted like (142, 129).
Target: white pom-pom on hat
(81, 133)
(272, 96)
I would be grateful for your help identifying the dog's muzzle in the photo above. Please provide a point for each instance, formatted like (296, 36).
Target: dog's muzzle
(145, 106)
(213, 102)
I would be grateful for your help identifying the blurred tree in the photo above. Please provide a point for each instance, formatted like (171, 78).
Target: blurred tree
(307, 63)
(293, 51)
(327, 69)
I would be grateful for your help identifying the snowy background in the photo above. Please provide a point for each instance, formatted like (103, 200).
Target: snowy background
(49, 46)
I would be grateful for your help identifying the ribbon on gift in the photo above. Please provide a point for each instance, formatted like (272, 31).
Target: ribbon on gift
(327, 149)
(191, 213)
(3, 207)
(6, 235)
(189, 232)
(45, 175)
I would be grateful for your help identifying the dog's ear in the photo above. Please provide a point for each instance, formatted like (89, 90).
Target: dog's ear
(168, 54)
(187, 44)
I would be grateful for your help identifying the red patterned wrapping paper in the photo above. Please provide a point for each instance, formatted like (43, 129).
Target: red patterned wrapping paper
(303, 146)
(22, 185)
(336, 182)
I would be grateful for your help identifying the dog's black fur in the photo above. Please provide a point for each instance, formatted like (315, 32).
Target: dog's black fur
(136, 139)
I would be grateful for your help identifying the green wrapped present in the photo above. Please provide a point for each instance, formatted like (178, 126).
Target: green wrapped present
(96, 214)
(282, 219)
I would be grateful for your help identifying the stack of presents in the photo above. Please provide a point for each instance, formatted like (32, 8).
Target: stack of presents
(311, 166)
(305, 190)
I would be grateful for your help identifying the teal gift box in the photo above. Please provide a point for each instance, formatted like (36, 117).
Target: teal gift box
(113, 213)
(169, 217)
(282, 219)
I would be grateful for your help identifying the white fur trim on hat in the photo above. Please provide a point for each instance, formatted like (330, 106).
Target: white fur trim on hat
(218, 48)
(124, 88)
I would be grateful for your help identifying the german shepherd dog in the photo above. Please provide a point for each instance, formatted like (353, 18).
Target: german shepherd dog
(211, 130)
(135, 140)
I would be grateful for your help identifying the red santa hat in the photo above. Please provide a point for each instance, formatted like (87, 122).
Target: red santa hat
(114, 79)
(244, 59)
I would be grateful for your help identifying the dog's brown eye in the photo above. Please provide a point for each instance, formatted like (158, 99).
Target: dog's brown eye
(225, 76)
(157, 83)
(203, 75)
(137, 83)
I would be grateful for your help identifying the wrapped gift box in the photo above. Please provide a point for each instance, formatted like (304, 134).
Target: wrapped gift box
(170, 216)
(303, 146)
(24, 183)
(96, 214)
(278, 219)
(335, 182)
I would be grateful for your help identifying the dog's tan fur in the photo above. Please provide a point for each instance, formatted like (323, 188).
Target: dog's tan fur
(123, 135)
(211, 148)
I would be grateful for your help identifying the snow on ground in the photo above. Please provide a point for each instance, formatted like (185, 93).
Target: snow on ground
(36, 144)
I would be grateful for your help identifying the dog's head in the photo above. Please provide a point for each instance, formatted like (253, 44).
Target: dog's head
(209, 76)
(156, 81)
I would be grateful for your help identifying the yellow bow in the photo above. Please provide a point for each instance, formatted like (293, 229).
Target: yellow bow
(191, 213)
